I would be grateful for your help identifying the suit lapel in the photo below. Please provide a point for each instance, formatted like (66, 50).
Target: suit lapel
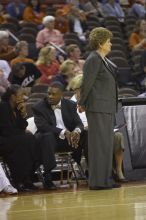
(110, 66)
(64, 113)
(63, 110)
(51, 112)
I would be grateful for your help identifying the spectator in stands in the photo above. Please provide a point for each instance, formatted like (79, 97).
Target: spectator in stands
(34, 12)
(49, 34)
(74, 53)
(77, 22)
(21, 49)
(137, 39)
(7, 52)
(60, 129)
(138, 9)
(113, 8)
(47, 64)
(4, 83)
(72, 2)
(2, 19)
(5, 185)
(5, 67)
(61, 21)
(89, 8)
(143, 61)
(141, 76)
(17, 146)
(66, 73)
(3, 15)
(15, 9)
(24, 74)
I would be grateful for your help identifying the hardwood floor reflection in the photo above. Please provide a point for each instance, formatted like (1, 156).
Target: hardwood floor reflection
(125, 203)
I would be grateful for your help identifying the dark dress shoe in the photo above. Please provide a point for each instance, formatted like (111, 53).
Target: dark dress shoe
(122, 180)
(50, 186)
(30, 185)
(48, 183)
(116, 185)
(22, 188)
(100, 187)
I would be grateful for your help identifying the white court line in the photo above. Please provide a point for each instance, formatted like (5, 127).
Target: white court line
(75, 207)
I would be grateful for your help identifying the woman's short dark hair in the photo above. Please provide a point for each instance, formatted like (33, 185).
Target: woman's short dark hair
(98, 36)
(11, 90)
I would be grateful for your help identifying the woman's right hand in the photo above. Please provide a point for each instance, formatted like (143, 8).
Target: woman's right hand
(21, 107)
(50, 77)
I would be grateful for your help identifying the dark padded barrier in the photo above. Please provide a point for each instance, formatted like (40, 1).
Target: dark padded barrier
(132, 111)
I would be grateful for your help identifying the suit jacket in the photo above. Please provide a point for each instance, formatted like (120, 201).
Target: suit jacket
(9, 124)
(99, 89)
(45, 119)
(71, 24)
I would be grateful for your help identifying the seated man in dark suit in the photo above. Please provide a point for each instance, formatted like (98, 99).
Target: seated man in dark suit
(59, 129)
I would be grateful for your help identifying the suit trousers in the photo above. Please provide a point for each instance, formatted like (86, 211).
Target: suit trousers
(100, 148)
(50, 143)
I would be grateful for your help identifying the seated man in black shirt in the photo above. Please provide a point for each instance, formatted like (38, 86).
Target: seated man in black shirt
(24, 74)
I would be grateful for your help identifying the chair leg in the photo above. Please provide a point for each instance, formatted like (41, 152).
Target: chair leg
(61, 174)
(81, 171)
(73, 170)
(68, 171)
(40, 175)
(69, 161)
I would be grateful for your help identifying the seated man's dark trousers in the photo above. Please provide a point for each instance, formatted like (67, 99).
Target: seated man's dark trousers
(50, 143)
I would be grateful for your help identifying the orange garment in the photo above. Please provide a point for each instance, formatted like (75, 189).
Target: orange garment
(61, 21)
(20, 60)
(66, 8)
(135, 39)
(62, 24)
(7, 53)
(48, 71)
(2, 19)
(30, 16)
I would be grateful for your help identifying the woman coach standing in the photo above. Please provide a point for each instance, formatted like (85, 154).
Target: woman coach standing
(98, 97)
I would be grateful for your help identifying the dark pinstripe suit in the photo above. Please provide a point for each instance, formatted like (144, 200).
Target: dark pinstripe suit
(98, 96)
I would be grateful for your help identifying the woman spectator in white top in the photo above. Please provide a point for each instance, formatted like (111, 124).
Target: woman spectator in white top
(48, 34)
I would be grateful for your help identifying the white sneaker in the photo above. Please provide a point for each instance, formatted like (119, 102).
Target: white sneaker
(10, 190)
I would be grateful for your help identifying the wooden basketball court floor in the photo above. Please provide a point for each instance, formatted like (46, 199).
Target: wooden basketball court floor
(125, 203)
